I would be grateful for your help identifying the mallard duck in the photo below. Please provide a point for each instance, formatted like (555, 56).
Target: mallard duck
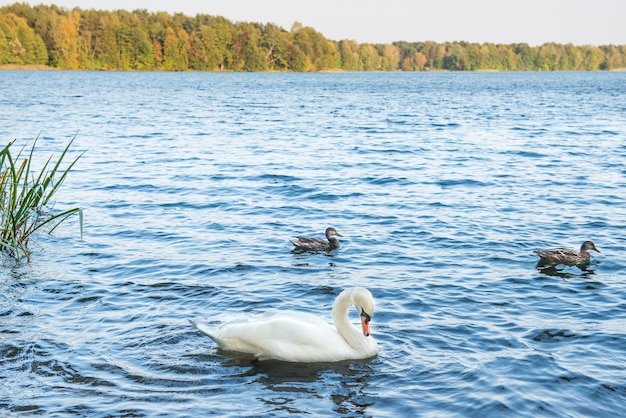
(316, 244)
(301, 337)
(567, 256)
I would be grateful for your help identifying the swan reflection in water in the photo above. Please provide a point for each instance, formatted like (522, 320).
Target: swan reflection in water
(295, 387)
(299, 388)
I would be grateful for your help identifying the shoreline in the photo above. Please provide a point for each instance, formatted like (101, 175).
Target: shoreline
(42, 67)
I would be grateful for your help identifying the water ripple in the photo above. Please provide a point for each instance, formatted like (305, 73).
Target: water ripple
(441, 184)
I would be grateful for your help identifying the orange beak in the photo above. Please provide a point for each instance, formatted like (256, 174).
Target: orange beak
(365, 324)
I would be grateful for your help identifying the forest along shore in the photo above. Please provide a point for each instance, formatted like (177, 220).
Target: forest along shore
(81, 39)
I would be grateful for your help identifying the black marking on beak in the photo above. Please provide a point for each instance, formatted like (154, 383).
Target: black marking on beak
(366, 316)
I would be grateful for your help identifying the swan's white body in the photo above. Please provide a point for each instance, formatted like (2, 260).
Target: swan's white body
(300, 337)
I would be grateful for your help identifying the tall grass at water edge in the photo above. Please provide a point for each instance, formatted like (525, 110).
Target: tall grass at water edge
(25, 194)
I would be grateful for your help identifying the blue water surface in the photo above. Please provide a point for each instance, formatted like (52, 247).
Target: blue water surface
(442, 184)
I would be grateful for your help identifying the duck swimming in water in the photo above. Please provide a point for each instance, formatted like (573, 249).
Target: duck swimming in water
(567, 256)
(316, 244)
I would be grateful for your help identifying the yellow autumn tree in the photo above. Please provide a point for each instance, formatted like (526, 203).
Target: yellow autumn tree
(390, 58)
(66, 42)
(19, 44)
(175, 50)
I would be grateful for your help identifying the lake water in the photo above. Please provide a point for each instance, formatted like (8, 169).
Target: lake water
(442, 184)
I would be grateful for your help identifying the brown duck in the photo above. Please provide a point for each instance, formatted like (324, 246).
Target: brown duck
(317, 244)
(567, 256)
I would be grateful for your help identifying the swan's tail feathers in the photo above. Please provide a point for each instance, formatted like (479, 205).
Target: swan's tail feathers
(203, 328)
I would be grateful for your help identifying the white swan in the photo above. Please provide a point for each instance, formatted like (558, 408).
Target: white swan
(300, 337)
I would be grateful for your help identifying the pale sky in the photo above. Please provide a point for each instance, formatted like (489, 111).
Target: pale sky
(580, 22)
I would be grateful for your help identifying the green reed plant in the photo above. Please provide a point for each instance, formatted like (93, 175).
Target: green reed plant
(24, 196)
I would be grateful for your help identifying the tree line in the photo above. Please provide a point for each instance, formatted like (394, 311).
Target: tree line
(141, 40)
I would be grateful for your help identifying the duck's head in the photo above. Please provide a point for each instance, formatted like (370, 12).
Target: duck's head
(332, 232)
(588, 245)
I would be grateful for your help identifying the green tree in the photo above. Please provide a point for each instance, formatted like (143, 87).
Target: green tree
(455, 58)
(198, 55)
(369, 58)
(508, 60)
(525, 56)
(5, 50)
(247, 54)
(222, 44)
(613, 58)
(390, 58)
(296, 60)
(105, 48)
(591, 57)
(546, 58)
(275, 43)
(320, 53)
(121, 44)
(435, 54)
(349, 52)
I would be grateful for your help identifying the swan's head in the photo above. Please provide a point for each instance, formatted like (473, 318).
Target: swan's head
(364, 303)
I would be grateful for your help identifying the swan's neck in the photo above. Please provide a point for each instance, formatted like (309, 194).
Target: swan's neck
(351, 334)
